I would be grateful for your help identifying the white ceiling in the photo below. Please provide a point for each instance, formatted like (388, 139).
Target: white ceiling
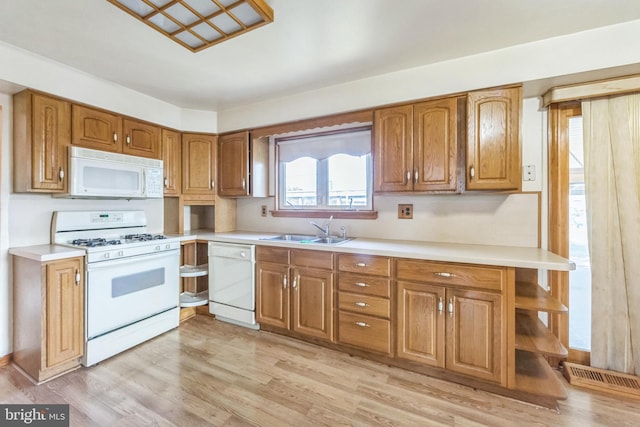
(311, 44)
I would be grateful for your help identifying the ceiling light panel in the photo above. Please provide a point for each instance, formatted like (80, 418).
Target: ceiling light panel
(198, 24)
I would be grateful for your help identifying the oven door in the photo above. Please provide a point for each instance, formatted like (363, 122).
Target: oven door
(126, 290)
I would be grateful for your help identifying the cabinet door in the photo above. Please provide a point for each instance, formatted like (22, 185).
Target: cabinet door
(96, 129)
(141, 139)
(198, 164)
(233, 165)
(312, 310)
(64, 311)
(421, 323)
(42, 131)
(393, 146)
(171, 156)
(272, 294)
(475, 344)
(435, 145)
(493, 139)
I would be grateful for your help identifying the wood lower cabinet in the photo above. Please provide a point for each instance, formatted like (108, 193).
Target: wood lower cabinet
(444, 324)
(172, 162)
(41, 133)
(418, 147)
(493, 139)
(199, 164)
(48, 316)
(364, 302)
(294, 290)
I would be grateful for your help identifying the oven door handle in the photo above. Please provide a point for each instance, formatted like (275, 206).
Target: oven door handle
(98, 265)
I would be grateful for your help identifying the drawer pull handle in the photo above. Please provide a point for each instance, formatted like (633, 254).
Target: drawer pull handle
(442, 274)
(362, 324)
(361, 304)
(362, 284)
(360, 264)
(440, 305)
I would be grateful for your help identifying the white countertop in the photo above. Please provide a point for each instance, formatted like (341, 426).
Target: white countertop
(507, 256)
(45, 253)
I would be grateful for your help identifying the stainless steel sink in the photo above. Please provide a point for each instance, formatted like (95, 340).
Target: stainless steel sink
(308, 238)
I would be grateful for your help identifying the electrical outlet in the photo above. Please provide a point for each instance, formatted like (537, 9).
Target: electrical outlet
(263, 210)
(529, 173)
(405, 211)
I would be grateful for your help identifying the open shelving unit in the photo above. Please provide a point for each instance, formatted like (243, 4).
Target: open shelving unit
(534, 341)
(194, 272)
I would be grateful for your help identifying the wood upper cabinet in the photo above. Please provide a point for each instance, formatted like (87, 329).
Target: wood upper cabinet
(393, 144)
(141, 139)
(447, 319)
(233, 165)
(418, 147)
(41, 133)
(102, 130)
(198, 164)
(48, 316)
(96, 129)
(493, 139)
(172, 162)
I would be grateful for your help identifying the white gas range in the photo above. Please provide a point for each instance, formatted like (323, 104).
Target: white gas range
(132, 278)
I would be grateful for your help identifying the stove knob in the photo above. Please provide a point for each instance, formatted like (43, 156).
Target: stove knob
(120, 253)
(107, 256)
(158, 248)
(167, 246)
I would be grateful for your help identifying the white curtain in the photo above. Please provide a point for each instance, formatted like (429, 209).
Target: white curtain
(612, 186)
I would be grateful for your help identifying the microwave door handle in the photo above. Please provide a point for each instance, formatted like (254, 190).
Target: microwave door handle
(144, 182)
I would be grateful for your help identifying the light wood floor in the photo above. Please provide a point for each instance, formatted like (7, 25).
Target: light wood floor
(211, 373)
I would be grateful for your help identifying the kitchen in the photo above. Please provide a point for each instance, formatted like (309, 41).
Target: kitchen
(469, 219)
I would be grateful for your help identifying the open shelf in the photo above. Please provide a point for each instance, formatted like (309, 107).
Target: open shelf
(189, 299)
(532, 335)
(530, 296)
(194, 270)
(535, 376)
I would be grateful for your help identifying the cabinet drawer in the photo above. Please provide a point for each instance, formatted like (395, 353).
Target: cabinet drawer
(366, 264)
(365, 285)
(483, 277)
(315, 259)
(365, 332)
(272, 254)
(365, 304)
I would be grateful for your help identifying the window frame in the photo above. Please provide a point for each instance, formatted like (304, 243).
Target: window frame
(324, 210)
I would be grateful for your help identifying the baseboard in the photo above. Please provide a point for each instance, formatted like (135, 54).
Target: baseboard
(5, 360)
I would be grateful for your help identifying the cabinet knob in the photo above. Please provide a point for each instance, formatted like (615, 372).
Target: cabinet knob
(213, 184)
(472, 172)
(450, 307)
(362, 324)
(440, 305)
(128, 139)
(115, 137)
(166, 182)
(244, 183)
(416, 175)
(61, 174)
(77, 277)
(284, 282)
(408, 176)
(295, 282)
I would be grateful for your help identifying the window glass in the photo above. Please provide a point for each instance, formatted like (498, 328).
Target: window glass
(325, 170)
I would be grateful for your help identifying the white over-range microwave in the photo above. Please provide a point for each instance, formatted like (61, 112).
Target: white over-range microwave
(104, 175)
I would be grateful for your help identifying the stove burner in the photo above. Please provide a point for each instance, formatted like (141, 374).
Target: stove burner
(98, 241)
(143, 237)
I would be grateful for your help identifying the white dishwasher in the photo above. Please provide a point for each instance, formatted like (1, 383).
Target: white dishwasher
(232, 283)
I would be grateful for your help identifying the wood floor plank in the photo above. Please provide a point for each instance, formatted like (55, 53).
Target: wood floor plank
(209, 373)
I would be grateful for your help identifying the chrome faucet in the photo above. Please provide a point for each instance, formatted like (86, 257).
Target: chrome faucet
(324, 228)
